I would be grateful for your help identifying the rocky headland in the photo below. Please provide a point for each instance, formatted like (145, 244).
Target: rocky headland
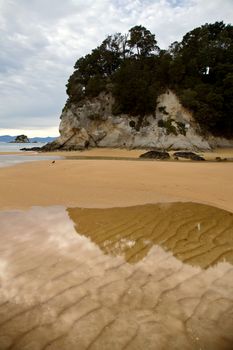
(171, 127)
(128, 93)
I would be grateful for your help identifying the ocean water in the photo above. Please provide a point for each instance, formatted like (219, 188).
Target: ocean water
(15, 147)
(144, 277)
(13, 159)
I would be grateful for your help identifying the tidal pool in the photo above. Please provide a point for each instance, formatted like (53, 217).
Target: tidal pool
(145, 277)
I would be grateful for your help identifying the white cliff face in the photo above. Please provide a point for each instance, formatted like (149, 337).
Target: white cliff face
(94, 125)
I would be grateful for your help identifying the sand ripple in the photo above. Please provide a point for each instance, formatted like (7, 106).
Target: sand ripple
(197, 234)
(61, 290)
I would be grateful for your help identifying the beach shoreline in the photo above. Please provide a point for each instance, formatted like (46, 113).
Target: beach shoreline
(99, 183)
(122, 153)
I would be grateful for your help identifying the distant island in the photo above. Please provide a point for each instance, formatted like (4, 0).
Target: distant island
(12, 139)
(20, 139)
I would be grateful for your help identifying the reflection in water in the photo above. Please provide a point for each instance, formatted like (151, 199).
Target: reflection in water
(59, 290)
(195, 233)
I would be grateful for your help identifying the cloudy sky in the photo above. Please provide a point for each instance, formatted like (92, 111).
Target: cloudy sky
(40, 40)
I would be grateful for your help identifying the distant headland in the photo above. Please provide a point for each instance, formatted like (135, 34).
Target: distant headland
(25, 139)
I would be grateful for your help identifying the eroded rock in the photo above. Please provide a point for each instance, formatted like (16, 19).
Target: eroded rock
(155, 155)
(92, 124)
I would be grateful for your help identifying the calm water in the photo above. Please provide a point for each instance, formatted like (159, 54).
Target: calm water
(15, 147)
(145, 277)
(12, 159)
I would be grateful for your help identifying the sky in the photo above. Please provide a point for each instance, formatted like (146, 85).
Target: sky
(40, 41)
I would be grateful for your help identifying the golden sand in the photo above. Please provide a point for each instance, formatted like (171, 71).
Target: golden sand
(115, 183)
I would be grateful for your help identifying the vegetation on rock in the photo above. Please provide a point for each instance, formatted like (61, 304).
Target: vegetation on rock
(21, 139)
(199, 70)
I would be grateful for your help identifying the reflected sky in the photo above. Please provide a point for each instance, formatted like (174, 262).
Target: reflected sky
(103, 279)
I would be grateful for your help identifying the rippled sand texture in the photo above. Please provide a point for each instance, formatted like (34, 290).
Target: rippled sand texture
(196, 234)
(60, 290)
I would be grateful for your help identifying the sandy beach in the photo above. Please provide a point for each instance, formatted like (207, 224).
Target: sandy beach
(96, 243)
(110, 183)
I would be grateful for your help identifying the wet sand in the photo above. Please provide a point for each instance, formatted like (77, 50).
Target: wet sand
(196, 234)
(109, 183)
(61, 288)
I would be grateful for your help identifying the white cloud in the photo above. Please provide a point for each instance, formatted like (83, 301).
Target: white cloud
(40, 45)
(32, 131)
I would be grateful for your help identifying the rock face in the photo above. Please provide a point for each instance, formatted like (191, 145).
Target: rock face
(92, 124)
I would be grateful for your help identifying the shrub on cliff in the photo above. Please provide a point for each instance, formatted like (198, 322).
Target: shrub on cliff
(199, 69)
(202, 74)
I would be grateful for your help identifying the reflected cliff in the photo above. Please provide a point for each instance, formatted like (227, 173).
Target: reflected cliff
(130, 279)
(196, 234)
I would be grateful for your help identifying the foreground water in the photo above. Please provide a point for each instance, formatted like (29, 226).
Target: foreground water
(13, 159)
(15, 147)
(145, 277)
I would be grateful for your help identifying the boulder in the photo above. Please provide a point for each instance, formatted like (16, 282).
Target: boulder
(155, 155)
(219, 159)
(188, 155)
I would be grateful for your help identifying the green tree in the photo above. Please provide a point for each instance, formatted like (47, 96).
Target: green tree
(136, 87)
(199, 69)
(141, 42)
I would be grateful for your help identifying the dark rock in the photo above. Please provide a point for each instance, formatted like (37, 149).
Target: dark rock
(51, 146)
(155, 155)
(55, 146)
(21, 139)
(188, 155)
(219, 159)
(35, 149)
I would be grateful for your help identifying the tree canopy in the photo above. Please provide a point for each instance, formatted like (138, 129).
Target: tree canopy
(199, 69)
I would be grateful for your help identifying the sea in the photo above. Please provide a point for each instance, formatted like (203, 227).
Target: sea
(18, 156)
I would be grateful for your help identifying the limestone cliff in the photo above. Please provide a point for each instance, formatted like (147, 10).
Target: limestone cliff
(92, 124)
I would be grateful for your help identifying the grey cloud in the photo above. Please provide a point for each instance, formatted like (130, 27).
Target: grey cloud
(40, 41)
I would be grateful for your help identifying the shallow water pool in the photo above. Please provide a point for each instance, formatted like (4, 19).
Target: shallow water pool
(145, 277)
